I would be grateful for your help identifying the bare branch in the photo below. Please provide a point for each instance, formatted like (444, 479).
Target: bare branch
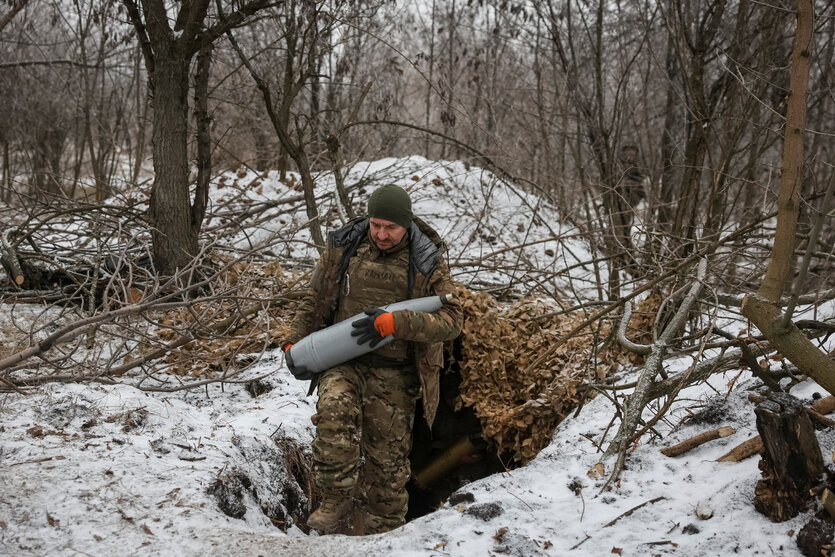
(27, 63)
(641, 395)
(16, 7)
(643, 349)
(227, 23)
(141, 35)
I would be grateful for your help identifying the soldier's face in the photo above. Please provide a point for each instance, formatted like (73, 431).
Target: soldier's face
(386, 234)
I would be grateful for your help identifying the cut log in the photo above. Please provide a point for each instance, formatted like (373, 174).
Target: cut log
(444, 463)
(821, 419)
(792, 461)
(828, 502)
(700, 439)
(744, 450)
(825, 405)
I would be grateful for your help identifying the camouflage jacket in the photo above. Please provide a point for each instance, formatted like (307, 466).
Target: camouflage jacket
(427, 275)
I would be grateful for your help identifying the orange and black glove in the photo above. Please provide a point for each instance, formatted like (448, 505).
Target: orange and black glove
(374, 328)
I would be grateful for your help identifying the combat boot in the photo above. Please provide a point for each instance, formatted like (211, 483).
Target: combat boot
(334, 508)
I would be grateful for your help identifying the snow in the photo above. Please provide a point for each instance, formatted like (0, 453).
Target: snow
(481, 218)
(100, 469)
(114, 488)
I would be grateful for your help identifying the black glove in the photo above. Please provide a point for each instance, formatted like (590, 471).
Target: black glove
(364, 328)
(299, 372)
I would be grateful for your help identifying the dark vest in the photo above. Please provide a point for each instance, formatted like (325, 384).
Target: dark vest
(424, 256)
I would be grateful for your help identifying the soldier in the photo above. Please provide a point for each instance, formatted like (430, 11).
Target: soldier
(366, 406)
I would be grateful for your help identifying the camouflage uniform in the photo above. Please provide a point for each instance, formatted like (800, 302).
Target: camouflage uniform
(366, 406)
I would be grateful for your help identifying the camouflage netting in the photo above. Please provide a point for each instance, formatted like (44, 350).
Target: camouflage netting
(520, 405)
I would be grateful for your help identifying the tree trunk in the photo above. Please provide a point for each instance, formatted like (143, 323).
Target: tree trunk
(792, 460)
(790, 341)
(762, 308)
(204, 139)
(261, 140)
(663, 202)
(174, 237)
(168, 52)
(788, 203)
(7, 173)
(448, 114)
(286, 98)
(141, 122)
(429, 83)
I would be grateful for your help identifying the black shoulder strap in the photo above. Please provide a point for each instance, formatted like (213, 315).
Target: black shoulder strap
(424, 255)
(348, 238)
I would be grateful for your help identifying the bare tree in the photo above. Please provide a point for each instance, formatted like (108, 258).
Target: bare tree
(175, 213)
(763, 307)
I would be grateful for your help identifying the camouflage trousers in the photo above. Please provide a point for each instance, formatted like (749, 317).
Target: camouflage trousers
(363, 422)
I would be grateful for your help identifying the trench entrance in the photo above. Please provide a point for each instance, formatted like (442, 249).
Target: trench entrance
(450, 455)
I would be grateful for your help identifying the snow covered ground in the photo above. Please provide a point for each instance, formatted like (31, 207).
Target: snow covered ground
(111, 470)
(94, 469)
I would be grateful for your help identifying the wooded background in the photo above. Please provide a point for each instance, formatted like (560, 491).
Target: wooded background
(596, 105)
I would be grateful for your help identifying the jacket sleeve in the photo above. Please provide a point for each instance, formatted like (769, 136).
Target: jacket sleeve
(442, 325)
(302, 324)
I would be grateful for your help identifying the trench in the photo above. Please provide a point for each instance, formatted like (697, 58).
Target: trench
(443, 459)
(450, 455)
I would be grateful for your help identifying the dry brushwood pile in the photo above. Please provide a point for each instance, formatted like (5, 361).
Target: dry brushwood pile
(519, 405)
(227, 333)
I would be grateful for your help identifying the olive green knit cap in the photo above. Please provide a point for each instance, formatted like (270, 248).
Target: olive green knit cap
(391, 203)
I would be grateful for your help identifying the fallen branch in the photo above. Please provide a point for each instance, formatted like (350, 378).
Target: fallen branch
(184, 339)
(161, 298)
(821, 419)
(790, 341)
(749, 358)
(187, 386)
(825, 405)
(654, 363)
(12, 386)
(700, 439)
(44, 379)
(744, 450)
(633, 509)
(703, 370)
(10, 258)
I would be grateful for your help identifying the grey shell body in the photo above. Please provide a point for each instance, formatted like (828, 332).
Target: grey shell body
(334, 345)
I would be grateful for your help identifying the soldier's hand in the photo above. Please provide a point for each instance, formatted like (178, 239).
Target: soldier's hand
(299, 372)
(377, 325)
